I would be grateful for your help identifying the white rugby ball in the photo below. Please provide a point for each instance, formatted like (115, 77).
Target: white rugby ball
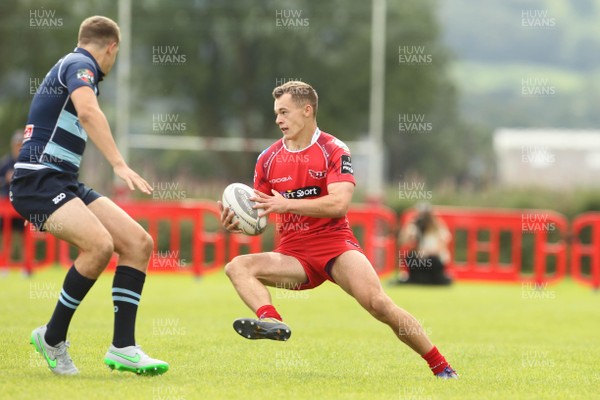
(237, 197)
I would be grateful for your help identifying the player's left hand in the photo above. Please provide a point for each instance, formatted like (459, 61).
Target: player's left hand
(132, 179)
(270, 204)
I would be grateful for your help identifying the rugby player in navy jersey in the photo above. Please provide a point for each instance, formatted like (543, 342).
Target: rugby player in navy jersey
(45, 190)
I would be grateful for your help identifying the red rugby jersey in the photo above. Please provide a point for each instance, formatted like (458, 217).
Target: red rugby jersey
(304, 174)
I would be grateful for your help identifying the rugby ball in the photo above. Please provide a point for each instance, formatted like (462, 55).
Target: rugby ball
(237, 197)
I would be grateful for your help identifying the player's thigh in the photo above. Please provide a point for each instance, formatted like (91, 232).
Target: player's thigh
(353, 272)
(271, 268)
(75, 224)
(128, 235)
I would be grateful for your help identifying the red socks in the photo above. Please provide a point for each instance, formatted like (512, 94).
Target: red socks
(268, 311)
(436, 360)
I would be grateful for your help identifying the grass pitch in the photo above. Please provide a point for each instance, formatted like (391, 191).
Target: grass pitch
(506, 342)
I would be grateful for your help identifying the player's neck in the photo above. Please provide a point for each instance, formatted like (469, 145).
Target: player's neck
(97, 54)
(302, 140)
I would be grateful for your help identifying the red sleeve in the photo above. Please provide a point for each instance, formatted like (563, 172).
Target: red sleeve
(261, 182)
(340, 167)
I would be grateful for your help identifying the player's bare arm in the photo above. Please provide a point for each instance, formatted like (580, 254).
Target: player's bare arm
(334, 205)
(96, 125)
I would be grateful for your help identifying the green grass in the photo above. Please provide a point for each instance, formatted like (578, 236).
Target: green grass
(506, 341)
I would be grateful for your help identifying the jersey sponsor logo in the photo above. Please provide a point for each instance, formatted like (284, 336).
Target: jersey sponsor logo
(346, 167)
(27, 132)
(317, 174)
(86, 75)
(303, 192)
(281, 179)
(59, 198)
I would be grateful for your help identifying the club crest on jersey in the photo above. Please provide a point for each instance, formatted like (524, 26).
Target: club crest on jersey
(86, 75)
(317, 174)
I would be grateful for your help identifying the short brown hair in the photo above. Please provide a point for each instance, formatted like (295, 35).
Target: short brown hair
(99, 30)
(301, 92)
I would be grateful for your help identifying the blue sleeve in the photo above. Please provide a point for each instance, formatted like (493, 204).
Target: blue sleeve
(79, 73)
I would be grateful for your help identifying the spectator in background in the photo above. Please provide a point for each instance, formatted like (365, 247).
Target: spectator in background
(424, 249)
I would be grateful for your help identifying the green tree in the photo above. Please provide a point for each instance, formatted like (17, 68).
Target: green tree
(232, 54)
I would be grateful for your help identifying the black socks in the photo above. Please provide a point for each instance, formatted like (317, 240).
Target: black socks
(126, 295)
(75, 287)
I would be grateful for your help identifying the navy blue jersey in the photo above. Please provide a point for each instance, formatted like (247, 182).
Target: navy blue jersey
(54, 138)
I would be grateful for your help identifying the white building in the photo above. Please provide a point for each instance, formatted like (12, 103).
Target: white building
(554, 158)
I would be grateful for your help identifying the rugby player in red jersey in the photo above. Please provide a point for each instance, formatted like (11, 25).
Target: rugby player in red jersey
(306, 179)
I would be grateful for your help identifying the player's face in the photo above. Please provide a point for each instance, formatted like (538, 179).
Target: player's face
(291, 118)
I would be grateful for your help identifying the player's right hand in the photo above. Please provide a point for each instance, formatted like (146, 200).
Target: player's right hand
(227, 219)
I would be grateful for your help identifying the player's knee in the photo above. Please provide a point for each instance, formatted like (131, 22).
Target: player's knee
(103, 249)
(237, 266)
(231, 268)
(378, 305)
(146, 244)
(138, 245)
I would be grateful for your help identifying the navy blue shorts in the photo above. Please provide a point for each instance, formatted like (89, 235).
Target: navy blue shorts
(36, 194)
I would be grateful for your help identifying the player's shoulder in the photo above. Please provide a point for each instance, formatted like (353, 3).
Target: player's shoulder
(81, 67)
(78, 59)
(267, 154)
(331, 143)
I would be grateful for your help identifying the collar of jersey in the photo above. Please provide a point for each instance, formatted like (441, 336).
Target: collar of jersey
(315, 137)
(88, 54)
